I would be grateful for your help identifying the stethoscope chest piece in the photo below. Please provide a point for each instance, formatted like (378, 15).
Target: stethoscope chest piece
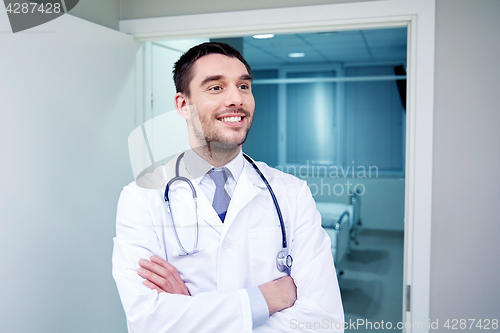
(283, 261)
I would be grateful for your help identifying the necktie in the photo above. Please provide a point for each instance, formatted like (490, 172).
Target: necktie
(221, 198)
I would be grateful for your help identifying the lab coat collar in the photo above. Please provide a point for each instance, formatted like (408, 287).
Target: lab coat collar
(249, 184)
(193, 167)
(196, 166)
(205, 209)
(253, 176)
(246, 189)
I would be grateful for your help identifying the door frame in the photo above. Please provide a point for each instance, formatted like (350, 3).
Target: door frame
(419, 17)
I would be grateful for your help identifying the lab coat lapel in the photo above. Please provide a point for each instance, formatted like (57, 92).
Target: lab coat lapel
(248, 186)
(205, 210)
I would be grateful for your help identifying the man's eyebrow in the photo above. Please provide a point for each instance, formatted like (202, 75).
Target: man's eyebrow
(211, 78)
(246, 77)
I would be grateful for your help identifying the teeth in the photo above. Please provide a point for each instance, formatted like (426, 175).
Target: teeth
(231, 119)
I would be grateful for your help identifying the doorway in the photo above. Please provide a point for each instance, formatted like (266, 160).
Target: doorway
(328, 110)
(419, 119)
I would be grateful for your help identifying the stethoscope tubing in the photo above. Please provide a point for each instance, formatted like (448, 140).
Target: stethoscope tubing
(184, 179)
(193, 190)
(275, 200)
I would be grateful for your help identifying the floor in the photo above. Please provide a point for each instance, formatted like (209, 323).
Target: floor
(372, 282)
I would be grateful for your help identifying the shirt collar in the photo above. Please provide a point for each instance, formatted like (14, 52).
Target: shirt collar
(236, 166)
(198, 167)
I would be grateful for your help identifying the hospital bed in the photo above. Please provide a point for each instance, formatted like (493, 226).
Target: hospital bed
(341, 222)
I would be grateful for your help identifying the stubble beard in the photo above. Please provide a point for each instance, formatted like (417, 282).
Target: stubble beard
(213, 144)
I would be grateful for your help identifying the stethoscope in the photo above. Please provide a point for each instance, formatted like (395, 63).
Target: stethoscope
(283, 259)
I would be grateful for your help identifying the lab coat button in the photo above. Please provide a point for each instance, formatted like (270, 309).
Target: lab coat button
(226, 245)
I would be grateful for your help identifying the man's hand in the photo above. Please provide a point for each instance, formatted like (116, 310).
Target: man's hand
(161, 276)
(280, 294)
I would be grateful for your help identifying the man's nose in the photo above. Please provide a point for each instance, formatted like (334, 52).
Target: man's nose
(234, 97)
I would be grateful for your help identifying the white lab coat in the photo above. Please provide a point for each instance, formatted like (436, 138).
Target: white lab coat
(237, 254)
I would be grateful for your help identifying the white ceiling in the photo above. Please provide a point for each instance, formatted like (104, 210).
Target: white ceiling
(377, 45)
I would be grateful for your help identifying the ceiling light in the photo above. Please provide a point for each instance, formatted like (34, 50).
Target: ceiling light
(296, 55)
(263, 36)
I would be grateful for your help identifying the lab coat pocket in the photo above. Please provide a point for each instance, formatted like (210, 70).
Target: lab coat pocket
(264, 245)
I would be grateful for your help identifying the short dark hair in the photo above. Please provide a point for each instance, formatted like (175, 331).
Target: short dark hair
(183, 67)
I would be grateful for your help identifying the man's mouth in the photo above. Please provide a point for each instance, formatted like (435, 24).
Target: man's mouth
(233, 119)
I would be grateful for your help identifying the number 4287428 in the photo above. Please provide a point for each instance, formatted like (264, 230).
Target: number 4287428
(25, 8)
(462, 324)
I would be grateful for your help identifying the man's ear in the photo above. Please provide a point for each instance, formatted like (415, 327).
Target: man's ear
(181, 105)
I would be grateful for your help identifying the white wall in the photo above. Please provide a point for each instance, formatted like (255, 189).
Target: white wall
(465, 273)
(105, 13)
(133, 9)
(109, 12)
(66, 104)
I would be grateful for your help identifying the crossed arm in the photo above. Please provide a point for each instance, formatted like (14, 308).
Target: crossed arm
(316, 297)
(161, 276)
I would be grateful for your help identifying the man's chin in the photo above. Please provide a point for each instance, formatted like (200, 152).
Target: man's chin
(225, 145)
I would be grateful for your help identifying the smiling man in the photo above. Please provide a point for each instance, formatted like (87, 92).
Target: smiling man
(220, 90)
(219, 266)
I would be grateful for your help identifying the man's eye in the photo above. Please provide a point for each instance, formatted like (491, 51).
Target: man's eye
(216, 88)
(244, 86)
